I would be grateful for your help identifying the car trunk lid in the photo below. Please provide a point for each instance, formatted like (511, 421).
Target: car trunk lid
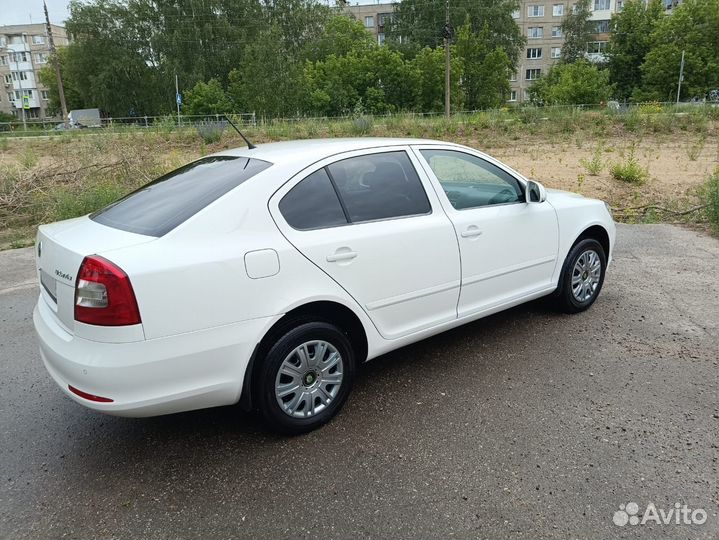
(60, 250)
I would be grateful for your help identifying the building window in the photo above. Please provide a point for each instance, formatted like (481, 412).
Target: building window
(556, 31)
(600, 5)
(38, 40)
(534, 52)
(369, 21)
(535, 11)
(602, 27)
(384, 18)
(515, 14)
(8, 78)
(597, 47)
(535, 32)
(380, 38)
(532, 74)
(45, 95)
(19, 76)
(3, 41)
(513, 76)
(17, 95)
(18, 57)
(10, 96)
(28, 93)
(41, 58)
(558, 10)
(512, 95)
(17, 40)
(3, 60)
(556, 52)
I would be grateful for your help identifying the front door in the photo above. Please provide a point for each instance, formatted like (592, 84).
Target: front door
(508, 247)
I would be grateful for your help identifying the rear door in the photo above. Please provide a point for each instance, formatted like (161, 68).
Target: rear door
(376, 227)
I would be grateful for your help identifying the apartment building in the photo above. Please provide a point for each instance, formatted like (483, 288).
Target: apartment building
(374, 17)
(540, 22)
(24, 51)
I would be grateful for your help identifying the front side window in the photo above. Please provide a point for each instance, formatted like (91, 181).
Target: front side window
(471, 182)
(379, 186)
(313, 204)
(160, 206)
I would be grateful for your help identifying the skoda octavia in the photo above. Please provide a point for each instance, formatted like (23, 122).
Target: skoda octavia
(265, 275)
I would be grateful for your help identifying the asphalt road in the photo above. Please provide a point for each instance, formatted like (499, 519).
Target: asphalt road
(526, 424)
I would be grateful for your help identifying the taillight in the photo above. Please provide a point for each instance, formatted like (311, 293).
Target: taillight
(104, 295)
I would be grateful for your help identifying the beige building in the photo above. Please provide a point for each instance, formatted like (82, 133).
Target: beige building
(24, 51)
(540, 22)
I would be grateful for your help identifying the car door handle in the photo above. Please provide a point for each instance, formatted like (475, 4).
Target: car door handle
(341, 256)
(471, 232)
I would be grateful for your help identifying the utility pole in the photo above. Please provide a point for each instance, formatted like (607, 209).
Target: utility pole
(56, 64)
(681, 78)
(447, 36)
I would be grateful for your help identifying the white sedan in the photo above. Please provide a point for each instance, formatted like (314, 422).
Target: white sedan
(264, 276)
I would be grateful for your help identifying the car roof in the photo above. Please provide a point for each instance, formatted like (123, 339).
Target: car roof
(311, 150)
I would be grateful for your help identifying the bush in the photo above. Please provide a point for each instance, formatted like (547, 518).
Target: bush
(710, 196)
(211, 132)
(361, 125)
(580, 83)
(630, 171)
(594, 165)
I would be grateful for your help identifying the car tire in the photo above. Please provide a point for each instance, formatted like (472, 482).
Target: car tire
(582, 276)
(315, 359)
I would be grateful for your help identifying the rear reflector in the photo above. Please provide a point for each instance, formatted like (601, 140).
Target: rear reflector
(104, 295)
(89, 397)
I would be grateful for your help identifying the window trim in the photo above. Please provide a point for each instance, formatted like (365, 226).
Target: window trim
(325, 163)
(437, 185)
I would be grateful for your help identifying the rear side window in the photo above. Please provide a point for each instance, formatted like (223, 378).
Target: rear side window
(312, 204)
(160, 206)
(379, 186)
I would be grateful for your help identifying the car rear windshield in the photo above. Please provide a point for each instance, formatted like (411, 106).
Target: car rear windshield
(160, 206)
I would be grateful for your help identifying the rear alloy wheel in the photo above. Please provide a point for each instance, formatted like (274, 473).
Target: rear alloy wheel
(582, 276)
(305, 377)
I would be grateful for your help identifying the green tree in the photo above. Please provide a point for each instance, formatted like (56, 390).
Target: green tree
(572, 84)
(485, 70)
(73, 97)
(629, 43)
(268, 80)
(341, 35)
(379, 81)
(429, 65)
(420, 22)
(577, 30)
(207, 98)
(693, 27)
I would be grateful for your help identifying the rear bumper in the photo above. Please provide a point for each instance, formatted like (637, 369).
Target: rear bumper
(148, 378)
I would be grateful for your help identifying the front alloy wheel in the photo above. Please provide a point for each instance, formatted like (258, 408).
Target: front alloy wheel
(582, 276)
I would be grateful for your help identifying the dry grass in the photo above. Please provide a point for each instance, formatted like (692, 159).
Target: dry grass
(48, 179)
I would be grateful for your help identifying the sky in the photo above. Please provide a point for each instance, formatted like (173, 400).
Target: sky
(21, 11)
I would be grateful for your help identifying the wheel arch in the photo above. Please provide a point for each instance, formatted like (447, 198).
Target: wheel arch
(598, 233)
(319, 310)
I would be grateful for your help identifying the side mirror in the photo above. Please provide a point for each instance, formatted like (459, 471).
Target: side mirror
(536, 192)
